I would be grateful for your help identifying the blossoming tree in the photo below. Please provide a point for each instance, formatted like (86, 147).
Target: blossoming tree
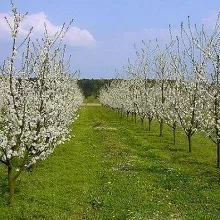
(40, 100)
(209, 46)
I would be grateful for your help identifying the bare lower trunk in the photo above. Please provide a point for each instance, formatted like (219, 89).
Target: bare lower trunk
(135, 117)
(161, 127)
(218, 153)
(174, 135)
(32, 167)
(142, 121)
(149, 123)
(132, 116)
(118, 112)
(189, 142)
(11, 186)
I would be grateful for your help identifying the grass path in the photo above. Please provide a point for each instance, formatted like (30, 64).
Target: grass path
(115, 169)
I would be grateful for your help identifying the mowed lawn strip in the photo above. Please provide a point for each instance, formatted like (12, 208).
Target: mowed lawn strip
(58, 187)
(116, 169)
(147, 177)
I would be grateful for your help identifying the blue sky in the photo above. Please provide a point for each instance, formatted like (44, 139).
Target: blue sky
(105, 31)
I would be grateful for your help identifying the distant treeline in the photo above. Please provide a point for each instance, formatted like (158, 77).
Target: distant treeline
(91, 87)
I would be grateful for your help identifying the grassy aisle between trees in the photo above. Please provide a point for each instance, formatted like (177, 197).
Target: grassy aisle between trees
(115, 169)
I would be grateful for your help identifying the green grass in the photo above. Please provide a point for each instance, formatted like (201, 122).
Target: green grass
(116, 169)
(91, 99)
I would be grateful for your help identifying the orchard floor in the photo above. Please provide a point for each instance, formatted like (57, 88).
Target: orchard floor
(116, 169)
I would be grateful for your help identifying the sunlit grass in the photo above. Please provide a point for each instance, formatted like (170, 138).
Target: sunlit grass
(91, 99)
(116, 169)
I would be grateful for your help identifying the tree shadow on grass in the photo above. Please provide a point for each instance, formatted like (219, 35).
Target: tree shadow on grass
(174, 148)
(211, 175)
(3, 190)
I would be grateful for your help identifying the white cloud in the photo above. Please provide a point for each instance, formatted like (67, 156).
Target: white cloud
(74, 37)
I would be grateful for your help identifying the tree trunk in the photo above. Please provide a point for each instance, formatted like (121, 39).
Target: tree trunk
(32, 167)
(142, 121)
(135, 117)
(161, 127)
(174, 135)
(127, 114)
(149, 124)
(189, 135)
(11, 186)
(218, 153)
(132, 114)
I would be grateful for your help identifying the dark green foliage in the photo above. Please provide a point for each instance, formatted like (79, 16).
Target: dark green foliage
(91, 87)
